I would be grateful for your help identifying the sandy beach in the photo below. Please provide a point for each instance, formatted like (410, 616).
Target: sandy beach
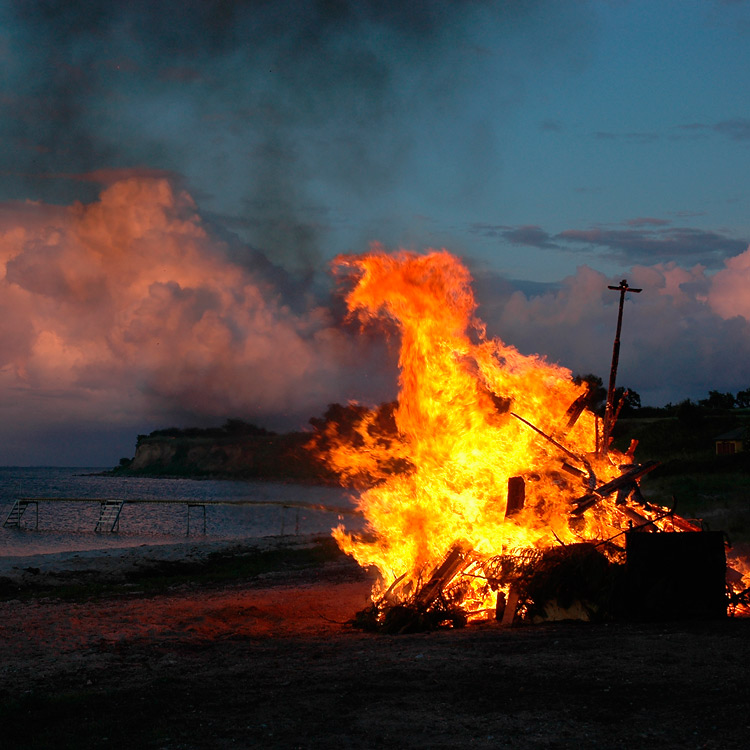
(268, 661)
(114, 563)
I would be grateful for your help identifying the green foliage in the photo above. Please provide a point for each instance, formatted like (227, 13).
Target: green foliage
(231, 428)
(687, 436)
(718, 401)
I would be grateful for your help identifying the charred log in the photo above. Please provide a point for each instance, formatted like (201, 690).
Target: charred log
(516, 496)
(575, 410)
(454, 561)
(510, 608)
(642, 523)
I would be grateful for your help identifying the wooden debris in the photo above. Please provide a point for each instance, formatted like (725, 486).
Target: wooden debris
(572, 470)
(552, 440)
(427, 609)
(516, 496)
(560, 446)
(643, 523)
(575, 410)
(626, 480)
(509, 610)
(631, 449)
(455, 561)
(683, 524)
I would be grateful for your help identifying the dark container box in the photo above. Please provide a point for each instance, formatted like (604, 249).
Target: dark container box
(673, 576)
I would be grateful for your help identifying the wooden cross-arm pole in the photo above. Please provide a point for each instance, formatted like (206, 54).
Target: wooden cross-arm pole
(609, 417)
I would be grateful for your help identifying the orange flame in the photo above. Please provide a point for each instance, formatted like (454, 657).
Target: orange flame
(472, 413)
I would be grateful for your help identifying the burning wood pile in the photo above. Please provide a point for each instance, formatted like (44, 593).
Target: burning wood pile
(514, 505)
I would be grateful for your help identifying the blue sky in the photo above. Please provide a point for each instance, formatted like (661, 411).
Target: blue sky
(556, 147)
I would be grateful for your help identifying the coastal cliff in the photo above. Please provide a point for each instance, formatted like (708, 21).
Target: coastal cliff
(239, 450)
(238, 456)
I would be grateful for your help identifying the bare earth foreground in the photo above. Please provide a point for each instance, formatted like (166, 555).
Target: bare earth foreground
(268, 661)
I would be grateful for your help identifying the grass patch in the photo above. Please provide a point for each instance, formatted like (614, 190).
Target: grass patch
(691, 478)
(722, 501)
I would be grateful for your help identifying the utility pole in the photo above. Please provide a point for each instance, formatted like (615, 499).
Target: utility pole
(609, 416)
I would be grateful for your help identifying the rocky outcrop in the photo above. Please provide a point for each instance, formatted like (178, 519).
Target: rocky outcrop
(276, 457)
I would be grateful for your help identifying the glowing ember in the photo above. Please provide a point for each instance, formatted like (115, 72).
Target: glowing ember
(474, 417)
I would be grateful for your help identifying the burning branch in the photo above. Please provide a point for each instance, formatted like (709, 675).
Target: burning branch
(627, 481)
(427, 608)
(559, 446)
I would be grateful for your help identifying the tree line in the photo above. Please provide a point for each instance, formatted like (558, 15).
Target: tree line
(716, 401)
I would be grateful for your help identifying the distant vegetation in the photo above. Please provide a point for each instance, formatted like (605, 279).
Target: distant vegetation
(630, 401)
(231, 428)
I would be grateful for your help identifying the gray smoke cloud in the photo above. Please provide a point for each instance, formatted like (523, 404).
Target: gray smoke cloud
(285, 117)
(174, 170)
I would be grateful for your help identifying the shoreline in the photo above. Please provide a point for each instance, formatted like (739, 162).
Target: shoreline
(115, 563)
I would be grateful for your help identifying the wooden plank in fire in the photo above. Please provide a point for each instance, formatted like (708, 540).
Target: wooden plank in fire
(641, 522)
(511, 605)
(683, 524)
(575, 410)
(516, 496)
(627, 479)
(455, 561)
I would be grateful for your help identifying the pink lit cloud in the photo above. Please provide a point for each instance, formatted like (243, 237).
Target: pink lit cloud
(127, 308)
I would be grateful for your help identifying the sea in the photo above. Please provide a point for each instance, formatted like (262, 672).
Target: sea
(234, 510)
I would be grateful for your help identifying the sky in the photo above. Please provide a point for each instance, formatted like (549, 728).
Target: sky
(178, 175)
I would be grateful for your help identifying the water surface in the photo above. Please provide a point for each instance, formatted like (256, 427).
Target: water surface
(234, 510)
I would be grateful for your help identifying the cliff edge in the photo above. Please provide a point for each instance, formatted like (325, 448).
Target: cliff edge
(220, 453)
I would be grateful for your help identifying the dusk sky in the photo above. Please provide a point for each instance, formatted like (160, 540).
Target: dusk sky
(177, 177)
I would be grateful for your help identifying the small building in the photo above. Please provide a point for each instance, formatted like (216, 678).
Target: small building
(730, 442)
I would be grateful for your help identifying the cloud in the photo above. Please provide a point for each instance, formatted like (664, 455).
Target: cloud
(735, 129)
(639, 245)
(645, 240)
(634, 137)
(551, 126)
(530, 235)
(688, 331)
(274, 111)
(131, 310)
(729, 295)
(108, 176)
(128, 309)
(647, 221)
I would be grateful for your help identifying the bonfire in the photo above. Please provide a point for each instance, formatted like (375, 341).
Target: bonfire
(504, 479)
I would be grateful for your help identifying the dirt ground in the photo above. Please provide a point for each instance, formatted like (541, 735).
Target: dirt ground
(270, 663)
